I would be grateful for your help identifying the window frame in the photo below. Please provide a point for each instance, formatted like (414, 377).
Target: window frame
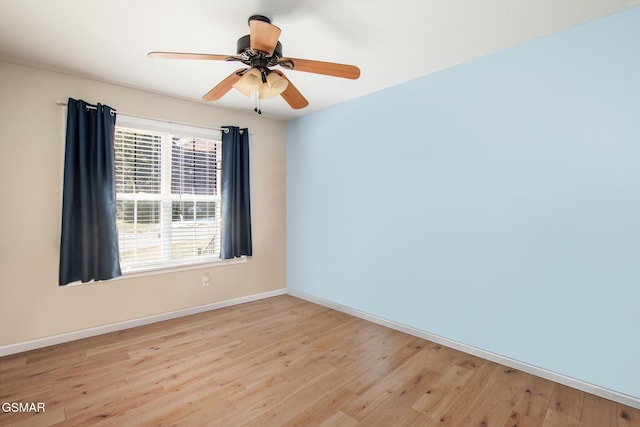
(182, 130)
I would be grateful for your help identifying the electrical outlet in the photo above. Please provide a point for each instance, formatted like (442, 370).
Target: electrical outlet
(205, 279)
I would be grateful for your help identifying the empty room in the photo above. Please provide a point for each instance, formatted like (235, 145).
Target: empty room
(299, 213)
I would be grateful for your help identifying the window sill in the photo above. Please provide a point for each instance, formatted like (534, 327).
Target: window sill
(153, 271)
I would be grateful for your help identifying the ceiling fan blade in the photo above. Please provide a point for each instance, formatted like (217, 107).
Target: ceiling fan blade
(291, 94)
(181, 55)
(224, 86)
(263, 36)
(319, 67)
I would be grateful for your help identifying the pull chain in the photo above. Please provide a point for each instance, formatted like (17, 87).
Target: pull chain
(257, 103)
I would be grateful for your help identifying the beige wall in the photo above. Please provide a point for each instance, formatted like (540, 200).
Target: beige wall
(32, 305)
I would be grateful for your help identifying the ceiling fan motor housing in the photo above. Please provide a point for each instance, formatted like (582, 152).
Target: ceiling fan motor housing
(259, 18)
(244, 45)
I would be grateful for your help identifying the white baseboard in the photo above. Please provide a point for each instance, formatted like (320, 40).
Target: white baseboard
(606, 393)
(99, 330)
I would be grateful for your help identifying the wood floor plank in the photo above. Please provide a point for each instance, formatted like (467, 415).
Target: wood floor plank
(566, 401)
(283, 361)
(496, 406)
(534, 402)
(391, 386)
(325, 409)
(299, 396)
(397, 409)
(554, 418)
(381, 362)
(49, 417)
(627, 417)
(442, 391)
(339, 419)
(460, 409)
(597, 412)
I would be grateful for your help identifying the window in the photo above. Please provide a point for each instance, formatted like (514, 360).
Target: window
(167, 194)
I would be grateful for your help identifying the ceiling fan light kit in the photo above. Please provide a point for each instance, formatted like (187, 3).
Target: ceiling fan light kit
(261, 51)
(266, 87)
(273, 87)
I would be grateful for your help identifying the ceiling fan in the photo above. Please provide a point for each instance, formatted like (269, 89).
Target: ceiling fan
(261, 51)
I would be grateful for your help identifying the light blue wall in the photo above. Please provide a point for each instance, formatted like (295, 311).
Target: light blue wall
(496, 203)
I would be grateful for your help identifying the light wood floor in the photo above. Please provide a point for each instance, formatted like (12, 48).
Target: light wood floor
(284, 361)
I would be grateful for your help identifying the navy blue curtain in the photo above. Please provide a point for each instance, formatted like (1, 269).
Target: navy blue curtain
(236, 205)
(89, 239)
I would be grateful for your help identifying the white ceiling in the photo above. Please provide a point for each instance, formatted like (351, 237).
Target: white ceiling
(391, 41)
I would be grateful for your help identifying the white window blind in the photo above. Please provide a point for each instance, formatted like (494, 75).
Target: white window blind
(167, 195)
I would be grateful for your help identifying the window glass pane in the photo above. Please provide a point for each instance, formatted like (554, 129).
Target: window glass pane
(138, 230)
(191, 210)
(168, 198)
(194, 166)
(195, 229)
(137, 158)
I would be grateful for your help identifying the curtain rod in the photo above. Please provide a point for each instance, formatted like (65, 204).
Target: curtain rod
(64, 104)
